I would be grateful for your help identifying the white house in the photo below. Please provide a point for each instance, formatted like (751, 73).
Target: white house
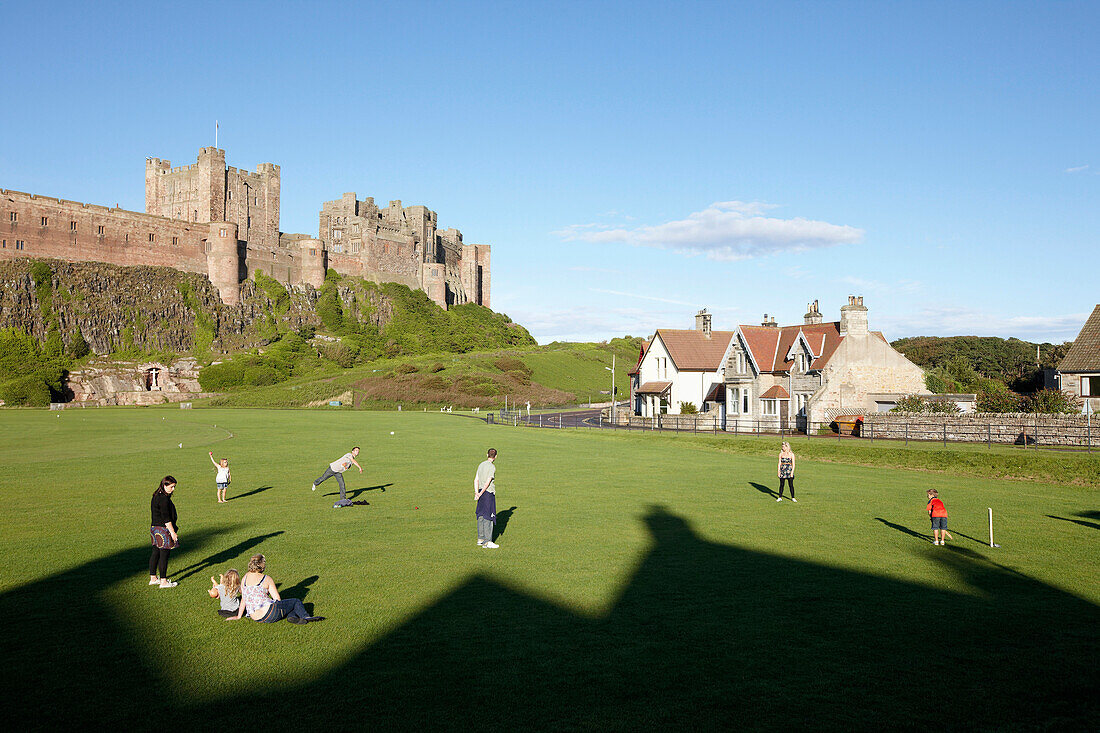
(681, 366)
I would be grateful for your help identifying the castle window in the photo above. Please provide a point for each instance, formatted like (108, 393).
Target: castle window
(101, 230)
(196, 216)
(3, 244)
(207, 245)
(222, 232)
(152, 237)
(72, 226)
(249, 225)
(14, 216)
(45, 221)
(312, 251)
(230, 195)
(19, 244)
(175, 240)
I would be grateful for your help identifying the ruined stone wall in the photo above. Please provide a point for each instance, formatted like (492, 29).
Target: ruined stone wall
(39, 226)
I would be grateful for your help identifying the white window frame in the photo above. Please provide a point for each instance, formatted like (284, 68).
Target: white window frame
(771, 407)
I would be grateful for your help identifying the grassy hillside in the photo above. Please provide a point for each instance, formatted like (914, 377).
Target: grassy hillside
(552, 375)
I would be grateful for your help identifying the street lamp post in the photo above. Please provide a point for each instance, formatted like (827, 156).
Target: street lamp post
(612, 370)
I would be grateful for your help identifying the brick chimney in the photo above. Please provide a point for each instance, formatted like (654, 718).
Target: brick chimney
(769, 322)
(813, 315)
(853, 317)
(702, 322)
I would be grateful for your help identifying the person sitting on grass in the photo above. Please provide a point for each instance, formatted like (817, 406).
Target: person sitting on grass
(262, 601)
(937, 512)
(228, 589)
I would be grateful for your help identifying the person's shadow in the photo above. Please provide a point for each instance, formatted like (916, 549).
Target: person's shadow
(249, 493)
(762, 489)
(1082, 522)
(352, 493)
(903, 529)
(299, 590)
(502, 522)
(224, 556)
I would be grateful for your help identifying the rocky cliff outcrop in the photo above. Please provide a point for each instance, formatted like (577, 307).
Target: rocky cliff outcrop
(147, 309)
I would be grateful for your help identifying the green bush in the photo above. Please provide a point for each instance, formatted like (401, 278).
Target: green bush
(688, 408)
(406, 369)
(1050, 402)
(78, 347)
(307, 331)
(28, 391)
(512, 364)
(997, 399)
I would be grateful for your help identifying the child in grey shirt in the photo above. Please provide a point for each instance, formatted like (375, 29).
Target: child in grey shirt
(227, 589)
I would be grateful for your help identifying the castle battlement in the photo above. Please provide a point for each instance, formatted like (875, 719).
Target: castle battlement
(223, 221)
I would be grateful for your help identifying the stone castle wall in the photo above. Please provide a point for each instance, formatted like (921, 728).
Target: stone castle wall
(211, 218)
(43, 227)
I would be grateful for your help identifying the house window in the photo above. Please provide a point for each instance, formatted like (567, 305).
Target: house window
(100, 230)
(1090, 386)
(745, 402)
(175, 240)
(45, 221)
(771, 407)
(72, 226)
(664, 405)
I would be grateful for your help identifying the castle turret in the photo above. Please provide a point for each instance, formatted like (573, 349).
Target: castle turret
(853, 317)
(223, 261)
(313, 262)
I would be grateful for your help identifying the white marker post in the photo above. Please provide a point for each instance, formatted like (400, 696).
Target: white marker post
(991, 528)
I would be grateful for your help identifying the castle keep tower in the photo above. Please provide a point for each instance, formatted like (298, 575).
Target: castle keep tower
(312, 259)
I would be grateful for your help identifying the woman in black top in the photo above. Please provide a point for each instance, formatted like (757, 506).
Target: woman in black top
(163, 532)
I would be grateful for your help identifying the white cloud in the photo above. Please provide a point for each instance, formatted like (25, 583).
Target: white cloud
(1077, 168)
(956, 321)
(724, 231)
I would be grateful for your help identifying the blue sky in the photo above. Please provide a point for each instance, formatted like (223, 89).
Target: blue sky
(628, 162)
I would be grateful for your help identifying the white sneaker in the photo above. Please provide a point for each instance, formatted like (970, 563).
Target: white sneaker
(169, 584)
(480, 543)
(154, 581)
(491, 545)
(780, 499)
(794, 500)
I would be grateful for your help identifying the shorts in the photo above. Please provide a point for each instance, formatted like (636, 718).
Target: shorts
(939, 522)
(226, 614)
(223, 486)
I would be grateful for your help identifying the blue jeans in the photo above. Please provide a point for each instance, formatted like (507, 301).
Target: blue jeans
(329, 473)
(288, 607)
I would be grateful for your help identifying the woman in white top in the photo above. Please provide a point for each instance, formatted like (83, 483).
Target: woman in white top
(223, 478)
(261, 601)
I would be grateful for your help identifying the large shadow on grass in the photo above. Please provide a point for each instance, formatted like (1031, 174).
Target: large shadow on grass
(703, 635)
(352, 493)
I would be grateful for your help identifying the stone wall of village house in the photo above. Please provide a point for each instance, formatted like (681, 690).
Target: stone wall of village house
(1071, 385)
(862, 365)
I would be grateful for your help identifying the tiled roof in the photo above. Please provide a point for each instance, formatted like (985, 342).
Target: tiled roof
(769, 345)
(691, 350)
(775, 392)
(654, 388)
(1084, 355)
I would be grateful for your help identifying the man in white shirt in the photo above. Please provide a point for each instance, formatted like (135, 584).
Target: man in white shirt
(337, 468)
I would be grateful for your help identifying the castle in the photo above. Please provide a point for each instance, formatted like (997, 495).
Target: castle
(223, 222)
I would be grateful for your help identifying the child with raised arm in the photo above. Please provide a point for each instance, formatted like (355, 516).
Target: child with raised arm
(223, 477)
(227, 589)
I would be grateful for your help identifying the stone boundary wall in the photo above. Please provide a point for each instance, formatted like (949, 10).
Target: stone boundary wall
(1006, 428)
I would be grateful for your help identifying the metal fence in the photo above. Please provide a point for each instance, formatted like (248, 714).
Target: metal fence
(1006, 433)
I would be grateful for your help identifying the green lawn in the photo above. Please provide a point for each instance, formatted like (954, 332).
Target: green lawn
(642, 582)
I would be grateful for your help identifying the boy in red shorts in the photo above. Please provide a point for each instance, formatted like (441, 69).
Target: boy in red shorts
(937, 512)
